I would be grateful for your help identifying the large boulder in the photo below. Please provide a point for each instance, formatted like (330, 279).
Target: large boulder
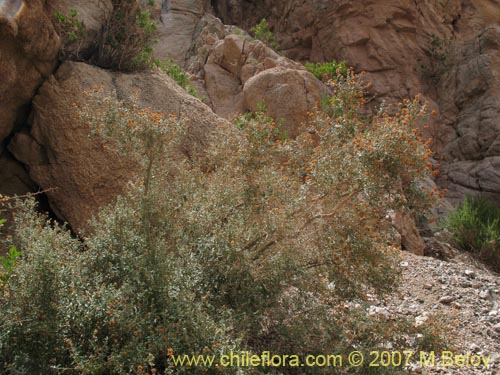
(79, 172)
(240, 73)
(234, 60)
(28, 53)
(288, 95)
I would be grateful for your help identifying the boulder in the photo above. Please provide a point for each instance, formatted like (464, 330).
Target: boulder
(28, 53)
(288, 95)
(14, 177)
(410, 237)
(80, 171)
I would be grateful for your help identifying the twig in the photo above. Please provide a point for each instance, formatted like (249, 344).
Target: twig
(28, 195)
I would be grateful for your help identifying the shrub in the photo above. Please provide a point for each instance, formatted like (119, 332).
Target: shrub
(72, 32)
(125, 41)
(8, 261)
(328, 70)
(70, 27)
(475, 227)
(262, 32)
(176, 73)
(257, 243)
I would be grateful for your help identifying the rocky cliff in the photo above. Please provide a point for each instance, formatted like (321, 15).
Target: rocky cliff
(448, 50)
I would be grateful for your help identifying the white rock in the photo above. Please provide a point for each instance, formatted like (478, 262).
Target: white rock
(470, 273)
(475, 348)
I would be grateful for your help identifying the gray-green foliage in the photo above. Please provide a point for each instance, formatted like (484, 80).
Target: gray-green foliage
(255, 242)
(8, 262)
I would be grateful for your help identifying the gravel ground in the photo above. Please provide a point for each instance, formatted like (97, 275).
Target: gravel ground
(466, 294)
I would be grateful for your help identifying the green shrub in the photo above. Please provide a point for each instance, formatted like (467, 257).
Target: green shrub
(72, 32)
(328, 70)
(475, 226)
(70, 28)
(257, 242)
(8, 262)
(176, 73)
(262, 32)
(125, 41)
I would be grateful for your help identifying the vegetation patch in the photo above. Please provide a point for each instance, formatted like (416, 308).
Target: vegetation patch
(256, 243)
(124, 42)
(328, 70)
(263, 32)
(475, 227)
(175, 72)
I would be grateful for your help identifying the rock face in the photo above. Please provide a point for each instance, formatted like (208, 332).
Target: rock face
(470, 102)
(447, 50)
(178, 24)
(241, 73)
(28, 52)
(82, 172)
(288, 94)
(222, 60)
(15, 179)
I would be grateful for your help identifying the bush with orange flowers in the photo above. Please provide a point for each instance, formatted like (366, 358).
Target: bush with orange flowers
(260, 243)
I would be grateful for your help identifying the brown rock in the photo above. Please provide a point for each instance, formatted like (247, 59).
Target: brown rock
(437, 249)
(224, 90)
(410, 237)
(447, 299)
(28, 52)
(84, 174)
(15, 179)
(287, 93)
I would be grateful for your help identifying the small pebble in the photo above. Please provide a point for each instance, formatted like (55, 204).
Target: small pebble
(475, 348)
(484, 294)
(447, 299)
(470, 273)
